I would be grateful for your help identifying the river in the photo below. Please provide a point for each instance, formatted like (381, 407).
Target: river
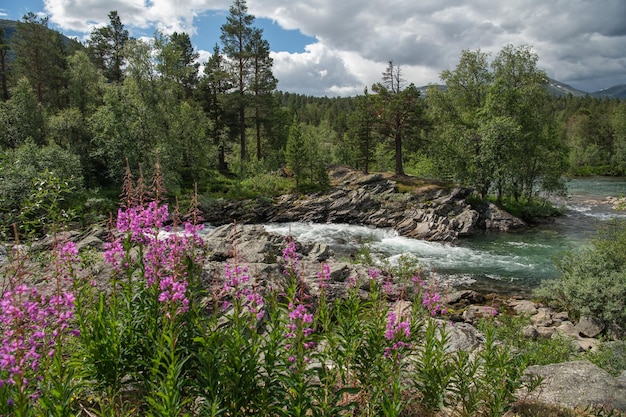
(512, 263)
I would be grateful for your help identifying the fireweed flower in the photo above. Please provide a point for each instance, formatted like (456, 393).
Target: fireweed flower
(236, 279)
(352, 282)
(32, 325)
(165, 256)
(397, 333)
(431, 300)
(299, 329)
(323, 277)
(388, 287)
(290, 257)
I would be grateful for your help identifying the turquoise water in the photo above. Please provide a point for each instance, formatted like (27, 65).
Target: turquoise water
(502, 262)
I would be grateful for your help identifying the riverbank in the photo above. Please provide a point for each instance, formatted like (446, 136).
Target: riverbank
(418, 209)
(260, 255)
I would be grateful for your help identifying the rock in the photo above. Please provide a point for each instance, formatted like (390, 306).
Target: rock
(464, 297)
(526, 307)
(587, 343)
(561, 316)
(543, 317)
(589, 326)
(578, 384)
(530, 332)
(463, 336)
(568, 329)
(495, 218)
(320, 252)
(467, 221)
(473, 313)
(4, 258)
(545, 332)
(431, 212)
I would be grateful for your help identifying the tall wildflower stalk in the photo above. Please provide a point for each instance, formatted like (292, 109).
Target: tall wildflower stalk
(36, 324)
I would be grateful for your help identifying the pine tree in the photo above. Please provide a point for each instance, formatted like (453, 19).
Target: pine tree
(296, 157)
(236, 38)
(107, 47)
(263, 85)
(4, 69)
(40, 58)
(398, 109)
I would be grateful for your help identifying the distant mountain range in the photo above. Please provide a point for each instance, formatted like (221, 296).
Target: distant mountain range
(555, 87)
(561, 89)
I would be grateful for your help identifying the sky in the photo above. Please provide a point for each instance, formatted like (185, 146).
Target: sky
(339, 47)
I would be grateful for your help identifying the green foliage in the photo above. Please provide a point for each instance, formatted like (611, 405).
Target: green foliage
(496, 133)
(610, 356)
(530, 210)
(21, 117)
(592, 280)
(35, 179)
(542, 351)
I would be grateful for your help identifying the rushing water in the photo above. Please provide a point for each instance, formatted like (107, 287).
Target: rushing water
(502, 262)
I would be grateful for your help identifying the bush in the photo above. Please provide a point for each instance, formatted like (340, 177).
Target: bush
(22, 172)
(593, 279)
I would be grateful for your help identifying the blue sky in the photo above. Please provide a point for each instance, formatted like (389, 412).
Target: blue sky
(338, 47)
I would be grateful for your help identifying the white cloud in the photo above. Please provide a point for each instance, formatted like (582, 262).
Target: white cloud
(578, 41)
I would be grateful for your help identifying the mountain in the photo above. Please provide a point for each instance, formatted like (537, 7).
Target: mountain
(559, 88)
(617, 91)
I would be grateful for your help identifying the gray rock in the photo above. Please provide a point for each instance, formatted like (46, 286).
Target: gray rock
(464, 296)
(578, 384)
(4, 258)
(589, 326)
(568, 329)
(498, 219)
(543, 317)
(473, 313)
(526, 307)
(463, 336)
(433, 212)
(530, 332)
(546, 332)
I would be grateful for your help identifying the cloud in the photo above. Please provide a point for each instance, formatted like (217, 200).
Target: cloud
(579, 42)
(317, 71)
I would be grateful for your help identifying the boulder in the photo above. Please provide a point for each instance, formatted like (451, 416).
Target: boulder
(4, 257)
(543, 317)
(463, 336)
(494, 218)
(590, 326)
(578, 384)
(526, 307)
(530, 332)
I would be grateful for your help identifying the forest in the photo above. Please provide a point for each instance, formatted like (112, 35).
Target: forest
(80, 115)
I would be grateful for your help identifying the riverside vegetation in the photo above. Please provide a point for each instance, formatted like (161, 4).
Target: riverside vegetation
(154, 340)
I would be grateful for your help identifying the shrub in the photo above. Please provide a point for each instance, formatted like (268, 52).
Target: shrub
(593, 279)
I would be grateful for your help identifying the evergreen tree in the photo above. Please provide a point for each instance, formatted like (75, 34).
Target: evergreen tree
(263, 84)
(4, 66)
(236, 37)
(213, 87)
(362, 132)
(398, 109)
(106, 45)
(296, 157)
(40, 58)
(177, 61)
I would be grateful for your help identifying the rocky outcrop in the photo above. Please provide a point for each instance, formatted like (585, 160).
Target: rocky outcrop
(578, 384)
(428, 211)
